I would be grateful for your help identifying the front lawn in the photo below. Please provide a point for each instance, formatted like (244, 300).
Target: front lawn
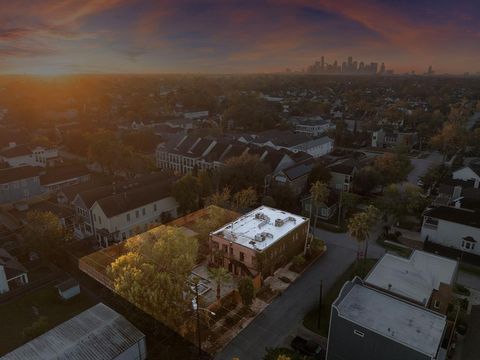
(20, 314)
(310, 321)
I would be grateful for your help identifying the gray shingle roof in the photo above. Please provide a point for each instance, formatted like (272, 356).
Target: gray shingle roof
(98, 333)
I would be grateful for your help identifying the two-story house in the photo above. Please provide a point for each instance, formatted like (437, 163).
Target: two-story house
(120, 216)
(452, 228)
(259, 242)
(425, 279)
(24, 155)
(19, 183)
(342, 175)
(370, 324)
(56, 178)
(12, 273)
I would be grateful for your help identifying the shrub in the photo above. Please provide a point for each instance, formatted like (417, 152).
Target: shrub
(298, 261)
(246, 290)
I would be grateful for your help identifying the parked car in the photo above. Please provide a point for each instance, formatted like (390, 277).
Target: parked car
(308, 347)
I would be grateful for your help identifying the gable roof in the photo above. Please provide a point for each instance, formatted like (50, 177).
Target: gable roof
(343, 168)
(134, 198)
(19, 150)
(455, 215)
(19, 173)
(98, 333)
(12, 267)
(298, 170)
(63, 173)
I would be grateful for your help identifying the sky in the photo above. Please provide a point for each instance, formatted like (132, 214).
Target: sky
(227, 36)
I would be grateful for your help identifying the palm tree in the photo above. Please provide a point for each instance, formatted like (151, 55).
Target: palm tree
(319, 193)
(220, 276)
(359, 229)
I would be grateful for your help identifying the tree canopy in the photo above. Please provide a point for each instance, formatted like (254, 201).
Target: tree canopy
(43, 232)
(153, 273)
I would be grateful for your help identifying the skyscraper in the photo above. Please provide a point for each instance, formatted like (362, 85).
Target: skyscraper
(382, 68)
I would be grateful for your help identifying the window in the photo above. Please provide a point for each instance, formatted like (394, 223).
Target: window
(128, 217)
(468, 244)
(95, 217)
(137, 214)
(154, 207)
(143, 211)
(99, 219)
(242, 256)
(436, 304)
(215, 245)
(225, 249)
(231, 251)
(358, 333)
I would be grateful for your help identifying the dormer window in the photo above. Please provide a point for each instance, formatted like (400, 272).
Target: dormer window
(468, 243)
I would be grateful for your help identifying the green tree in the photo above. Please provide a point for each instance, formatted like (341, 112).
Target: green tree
(153, 274)
(243, 172)
(348, 202)
(319, 173)
(393, 167)
(246, 290)
(244, 199)
(43, 232)
(366, 180)
(221, 199)
(107, 150)
(220, 275)
(359, 229)
(187, 193)
(319, 193)
(451, 138)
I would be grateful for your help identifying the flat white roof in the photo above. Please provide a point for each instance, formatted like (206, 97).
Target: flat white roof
(98, 333)
(260, 228)
(413, 326)
(414, 278)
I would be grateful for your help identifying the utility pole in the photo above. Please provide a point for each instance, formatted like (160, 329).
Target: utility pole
(319, 320)
(197, 308)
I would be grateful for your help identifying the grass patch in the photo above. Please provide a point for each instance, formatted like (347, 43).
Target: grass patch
(310, 321)
(18, 314)
(471, 269)
(398, 250)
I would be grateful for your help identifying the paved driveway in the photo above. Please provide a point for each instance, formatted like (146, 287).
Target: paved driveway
(420, 166)
(282, 318)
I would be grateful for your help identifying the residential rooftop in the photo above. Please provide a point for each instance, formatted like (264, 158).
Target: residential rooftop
(455, 215)
(98, 333)
(411, 325)
(415, 277)
(260, 228)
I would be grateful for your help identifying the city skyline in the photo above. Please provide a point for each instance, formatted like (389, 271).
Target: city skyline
(128, 36)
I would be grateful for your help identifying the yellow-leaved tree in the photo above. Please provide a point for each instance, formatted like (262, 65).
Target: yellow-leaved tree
(153, 273)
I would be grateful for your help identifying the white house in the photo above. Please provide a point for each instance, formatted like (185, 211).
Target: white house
(12, 273)
(22, 155)
(468, 173)
(119, 216)
(453, 227)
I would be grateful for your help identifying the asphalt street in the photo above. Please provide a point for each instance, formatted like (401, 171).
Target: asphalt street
(282, 318)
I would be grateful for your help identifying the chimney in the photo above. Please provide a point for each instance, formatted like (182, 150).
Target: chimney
(458, 204)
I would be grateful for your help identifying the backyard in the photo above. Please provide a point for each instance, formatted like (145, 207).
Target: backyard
(310, 321)
(21, 313)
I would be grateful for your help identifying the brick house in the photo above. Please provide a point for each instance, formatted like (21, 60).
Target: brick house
(259, 242)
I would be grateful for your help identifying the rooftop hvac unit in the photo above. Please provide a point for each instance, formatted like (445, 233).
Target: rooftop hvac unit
(263, 236)
(278, 222)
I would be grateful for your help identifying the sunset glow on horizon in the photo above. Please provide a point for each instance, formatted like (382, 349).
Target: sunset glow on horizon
(130, 36)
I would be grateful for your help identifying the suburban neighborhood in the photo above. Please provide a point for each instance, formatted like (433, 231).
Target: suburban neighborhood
(327, 212)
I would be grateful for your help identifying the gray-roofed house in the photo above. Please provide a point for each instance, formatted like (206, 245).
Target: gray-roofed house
(424, 278)
(68, 289)
(24, 155)
(58, 177)
(99, 333)
(368, 324)
(19, 183)
(12, 273)
(342, 175)
(452, 228)
(119, 216)
(295, 177)
(288, 140)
